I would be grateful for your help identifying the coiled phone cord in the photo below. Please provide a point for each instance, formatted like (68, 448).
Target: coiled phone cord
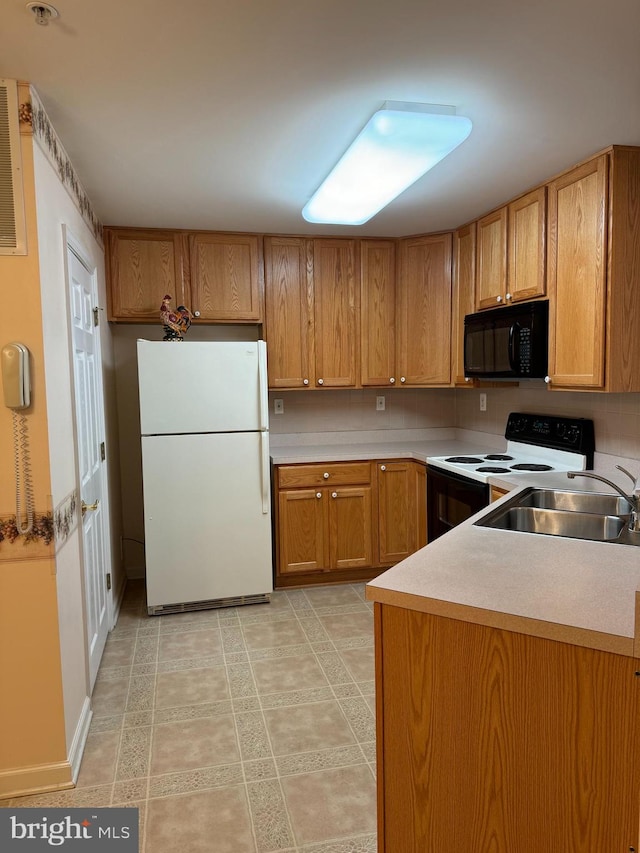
(22, 463)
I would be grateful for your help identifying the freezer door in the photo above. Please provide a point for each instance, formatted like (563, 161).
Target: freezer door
(202, 386)
(206, 534)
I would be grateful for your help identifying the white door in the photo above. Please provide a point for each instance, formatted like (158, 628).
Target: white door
(87, 369)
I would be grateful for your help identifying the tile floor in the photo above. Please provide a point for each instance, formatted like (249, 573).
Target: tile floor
(243, 730)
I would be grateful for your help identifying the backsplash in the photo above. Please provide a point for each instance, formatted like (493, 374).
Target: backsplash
(347, 410)
(616, 417)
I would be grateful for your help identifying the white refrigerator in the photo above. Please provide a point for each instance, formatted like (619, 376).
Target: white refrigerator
(205, 469)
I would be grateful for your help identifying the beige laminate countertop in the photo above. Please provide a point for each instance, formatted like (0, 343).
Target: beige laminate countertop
(569, 590)
(293, 454)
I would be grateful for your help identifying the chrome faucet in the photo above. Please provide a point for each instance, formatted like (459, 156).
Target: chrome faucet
(633, 499)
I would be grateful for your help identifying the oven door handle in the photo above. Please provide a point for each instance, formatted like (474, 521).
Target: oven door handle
(514, 337)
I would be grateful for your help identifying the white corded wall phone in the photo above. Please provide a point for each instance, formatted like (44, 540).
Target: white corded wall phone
(16, 386)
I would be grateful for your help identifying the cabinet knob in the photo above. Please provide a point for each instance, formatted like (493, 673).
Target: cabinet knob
(498, 298)
(305, 381)
(467, 379)
(392, 381)
(334, 494)
(326, 475)
(318, 494)
(383, 467)
(320, 381)
(196, 313)
(402, 379)
(547, 379)
(507, 296)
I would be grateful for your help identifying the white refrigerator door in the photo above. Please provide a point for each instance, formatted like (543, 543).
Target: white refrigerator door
(206, 534)
(202, 386)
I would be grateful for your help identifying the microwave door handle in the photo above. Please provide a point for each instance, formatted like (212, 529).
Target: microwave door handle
(513, 339)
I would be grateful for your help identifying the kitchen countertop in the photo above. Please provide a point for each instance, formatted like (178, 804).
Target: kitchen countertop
(571, 590)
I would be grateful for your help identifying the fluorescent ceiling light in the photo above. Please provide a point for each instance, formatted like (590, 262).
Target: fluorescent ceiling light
(399, 143)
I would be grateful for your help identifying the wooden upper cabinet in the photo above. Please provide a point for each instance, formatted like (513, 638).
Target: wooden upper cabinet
(337, 312)
(226, 277)
(378, 312)
(491, 269)
(142, 266)
(424, 309)
(577, 274)
(289, 312)
(526, 278)
(464, 277)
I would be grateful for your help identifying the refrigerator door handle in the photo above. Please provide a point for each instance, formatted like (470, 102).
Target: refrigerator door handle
(264, 469)
(262, 384)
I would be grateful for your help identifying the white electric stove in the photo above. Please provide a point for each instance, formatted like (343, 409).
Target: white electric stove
(535, 443)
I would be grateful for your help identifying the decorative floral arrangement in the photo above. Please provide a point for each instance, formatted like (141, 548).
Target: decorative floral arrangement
(176, 323)
(42, 529)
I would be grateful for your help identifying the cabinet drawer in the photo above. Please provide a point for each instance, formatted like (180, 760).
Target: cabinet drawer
(324, 474)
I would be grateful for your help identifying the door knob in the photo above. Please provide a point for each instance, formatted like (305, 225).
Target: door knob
(86, 507)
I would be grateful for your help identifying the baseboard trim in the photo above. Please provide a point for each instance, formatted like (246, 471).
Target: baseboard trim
(117, 603)
(37, 779)
(76, 749)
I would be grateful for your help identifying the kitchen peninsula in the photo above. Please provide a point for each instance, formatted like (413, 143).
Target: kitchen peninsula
(507, 695)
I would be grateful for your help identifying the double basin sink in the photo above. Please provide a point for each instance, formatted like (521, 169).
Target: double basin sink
(577, 515)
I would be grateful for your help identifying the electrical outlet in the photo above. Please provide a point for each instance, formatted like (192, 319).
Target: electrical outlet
(380, 404)
(278, 407)
(483, 402)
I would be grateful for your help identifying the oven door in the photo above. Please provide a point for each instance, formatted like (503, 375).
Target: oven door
(451, 499)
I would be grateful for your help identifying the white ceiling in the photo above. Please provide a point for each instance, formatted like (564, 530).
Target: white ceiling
(227, 114)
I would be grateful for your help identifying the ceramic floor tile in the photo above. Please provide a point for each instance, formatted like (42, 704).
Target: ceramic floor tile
(327, 595)
(360, 662)
(339, 627)
(99, 759)
(190, 744)
(331, 804)
(118, 652)
(302, 728)
(267, 635)
(110, 697)
(270, 819)
(292, 673)
(190, 644)
(201, 822)
(191, 687)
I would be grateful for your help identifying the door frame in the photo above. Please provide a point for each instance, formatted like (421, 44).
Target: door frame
(73, 244)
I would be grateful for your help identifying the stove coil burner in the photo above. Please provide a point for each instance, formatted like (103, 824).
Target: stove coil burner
(493, 469)
(531, 466)
(469, 460)
(499, 457)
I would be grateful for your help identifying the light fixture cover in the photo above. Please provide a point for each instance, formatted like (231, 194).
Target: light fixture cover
(399, 143)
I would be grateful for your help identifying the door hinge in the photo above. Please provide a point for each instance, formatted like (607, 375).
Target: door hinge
(108, 580)
(96, 319)
(103, 451)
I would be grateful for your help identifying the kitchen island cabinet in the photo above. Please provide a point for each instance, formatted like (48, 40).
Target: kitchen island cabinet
(493, 740)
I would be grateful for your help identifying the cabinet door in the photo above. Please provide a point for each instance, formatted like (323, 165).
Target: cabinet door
(289, 312)
(337, 309)
(303, 530)
(378, 300)
(142, 267)
(491, 270)
(226, 277)
(577, 270)
(424, 307)
(401, 510)
(464, 277)
(527, 219)
(350, 509)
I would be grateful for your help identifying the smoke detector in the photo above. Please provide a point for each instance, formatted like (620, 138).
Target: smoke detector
(43, 12)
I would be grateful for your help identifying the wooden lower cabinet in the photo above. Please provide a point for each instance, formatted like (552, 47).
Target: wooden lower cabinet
(489, 740)
(346, 521)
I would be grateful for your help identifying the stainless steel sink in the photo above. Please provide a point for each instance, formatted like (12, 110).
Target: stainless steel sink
(554, 522)
(576, 515)
(602, 504)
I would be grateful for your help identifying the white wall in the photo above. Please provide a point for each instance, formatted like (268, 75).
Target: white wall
(55, 208)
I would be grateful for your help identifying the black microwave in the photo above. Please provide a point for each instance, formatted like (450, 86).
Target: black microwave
(509, 342)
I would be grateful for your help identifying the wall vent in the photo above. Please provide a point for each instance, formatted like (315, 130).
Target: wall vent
(12, 219)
